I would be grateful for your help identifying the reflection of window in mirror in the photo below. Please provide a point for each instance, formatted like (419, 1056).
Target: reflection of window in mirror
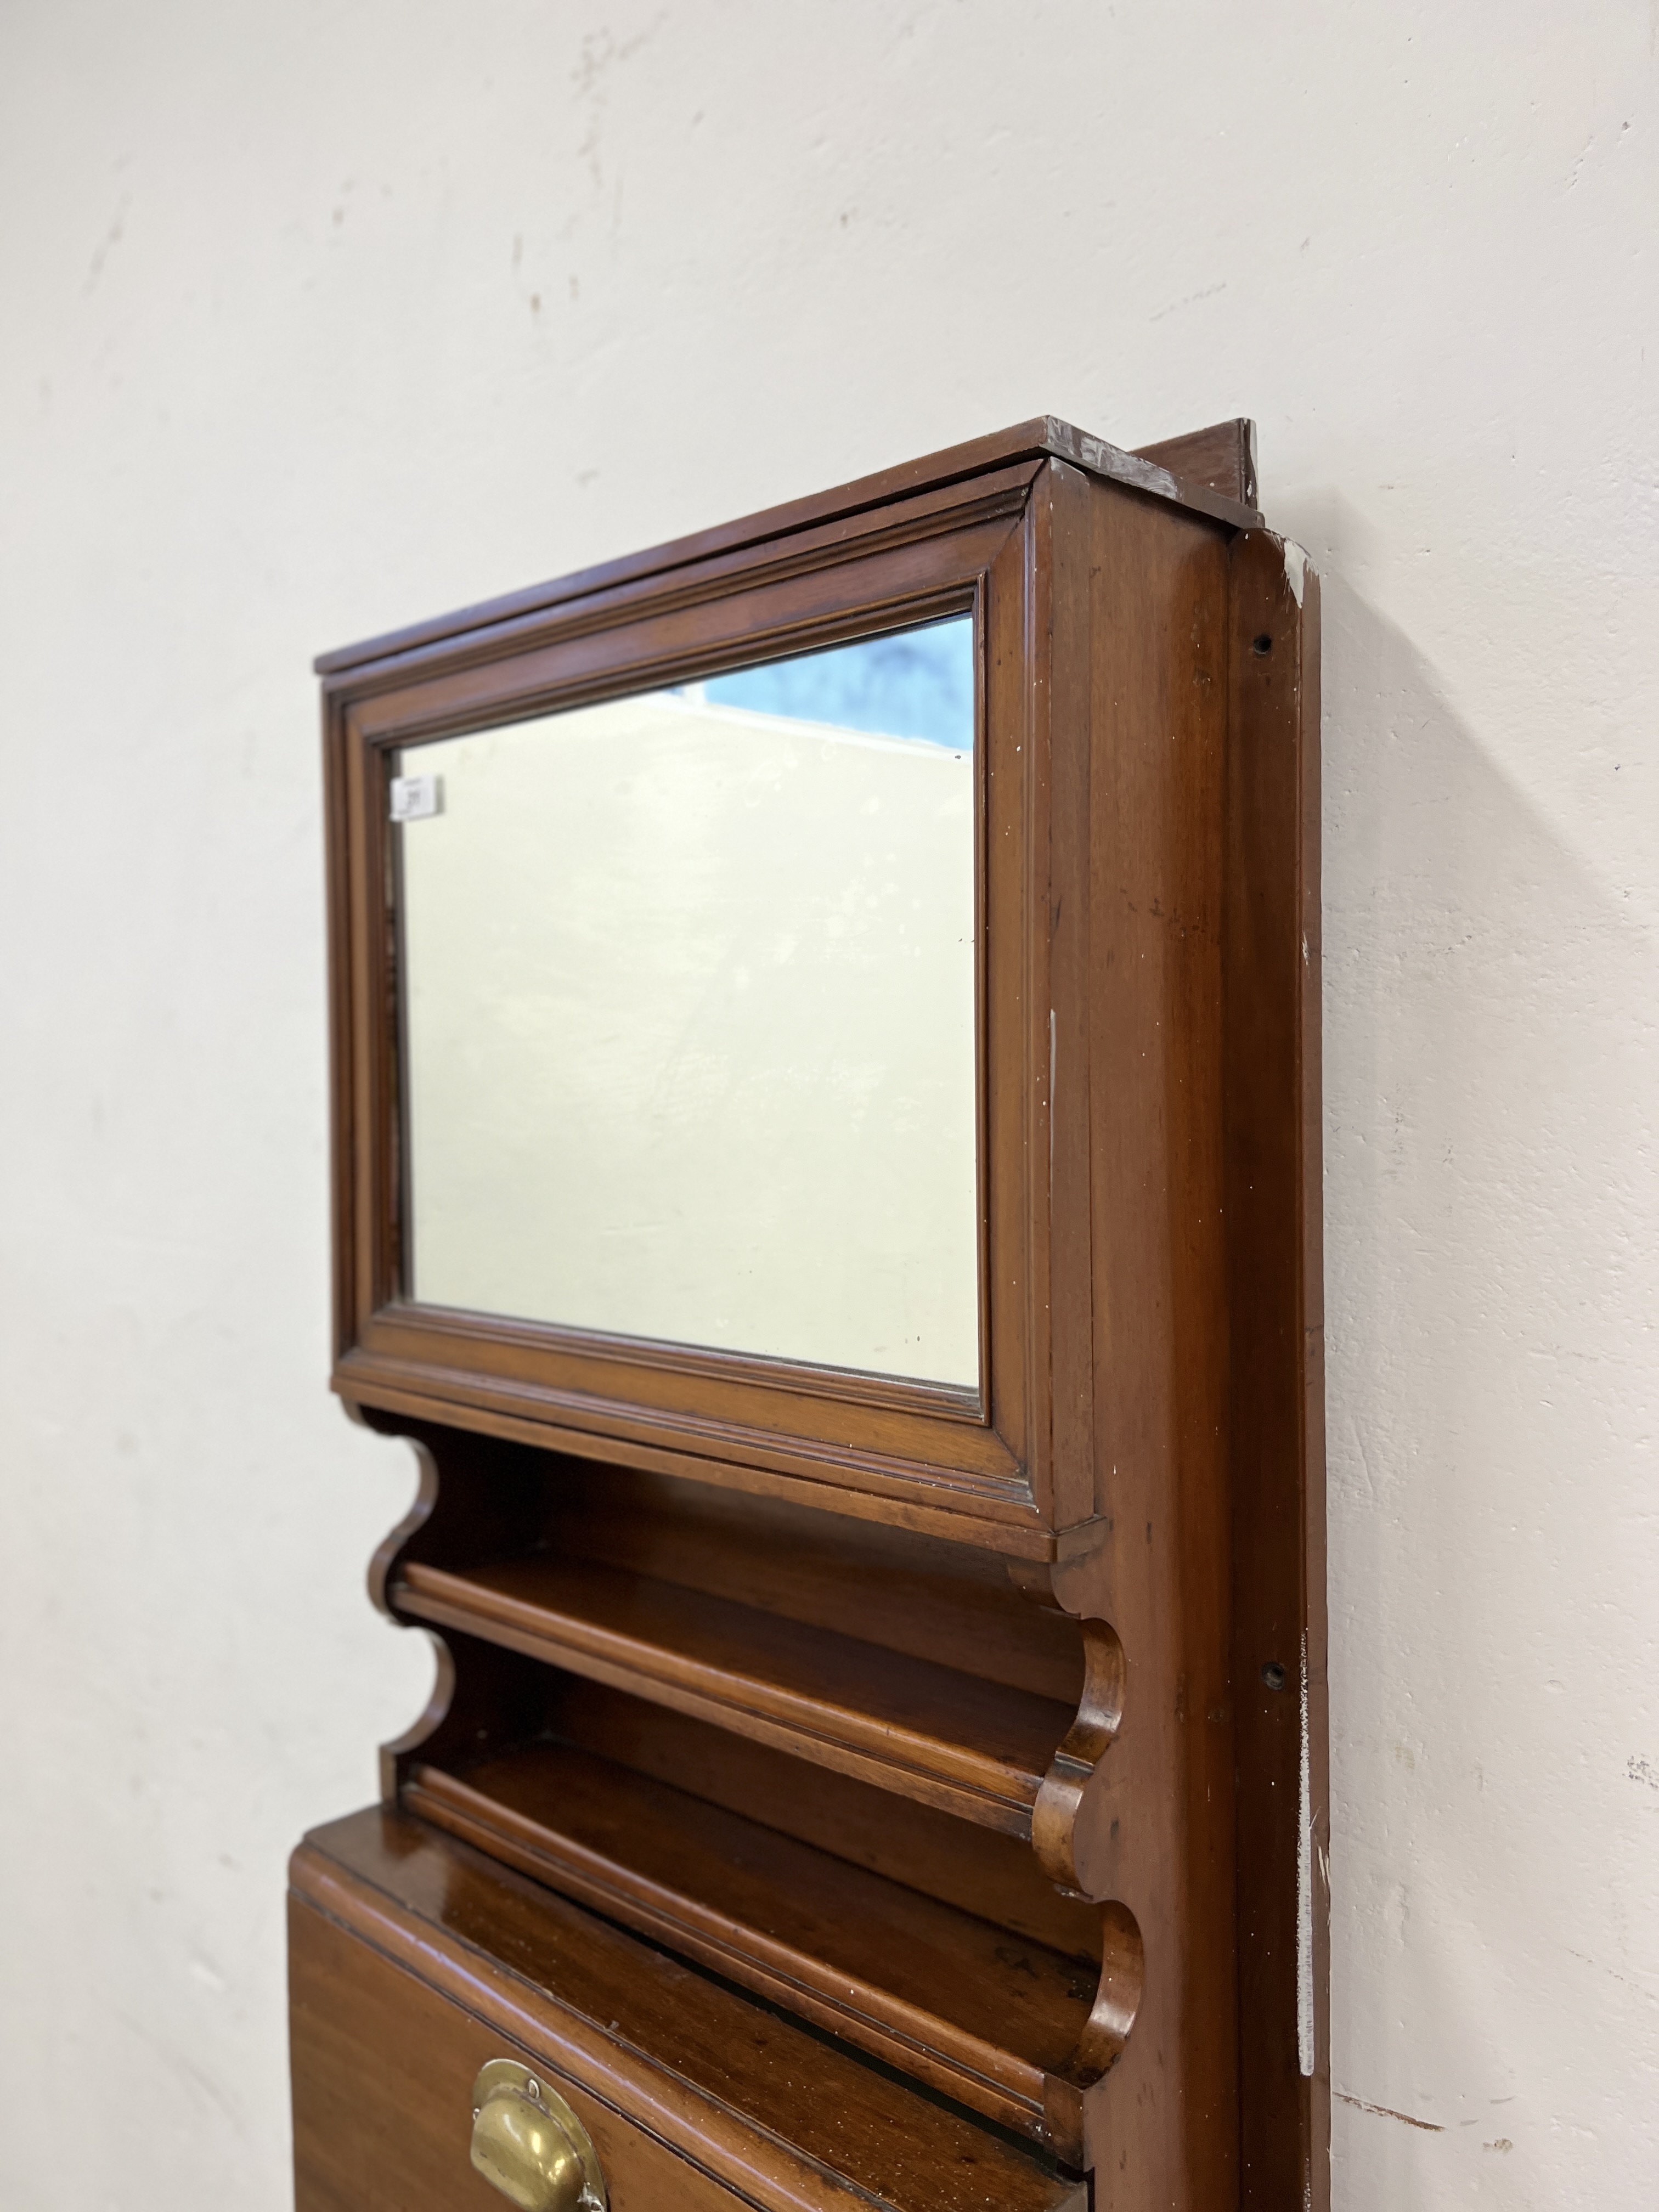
(689, 1013)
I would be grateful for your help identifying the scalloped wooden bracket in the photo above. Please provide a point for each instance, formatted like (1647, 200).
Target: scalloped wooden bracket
(1069, 2094)
(459, 1499)
(1073, 1829)
(475, 1498)
(480, 1697)
(1071, 1825)
(396, 1546)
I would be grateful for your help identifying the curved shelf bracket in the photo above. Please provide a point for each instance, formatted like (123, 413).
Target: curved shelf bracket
(1072, 1824)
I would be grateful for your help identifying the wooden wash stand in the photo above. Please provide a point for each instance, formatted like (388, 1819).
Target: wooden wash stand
(838, 1789)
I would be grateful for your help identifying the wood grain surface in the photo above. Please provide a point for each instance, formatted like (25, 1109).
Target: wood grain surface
(1221, 456)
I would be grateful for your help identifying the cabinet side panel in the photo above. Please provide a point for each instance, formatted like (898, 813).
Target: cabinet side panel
(1168, 2125)
(1276, 1410)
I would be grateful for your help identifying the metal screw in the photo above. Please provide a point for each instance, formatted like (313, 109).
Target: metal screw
(1273, 1675)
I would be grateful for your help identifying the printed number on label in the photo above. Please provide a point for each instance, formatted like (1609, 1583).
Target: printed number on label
(415, 797)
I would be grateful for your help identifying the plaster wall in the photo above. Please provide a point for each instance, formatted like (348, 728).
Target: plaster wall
(318, 318)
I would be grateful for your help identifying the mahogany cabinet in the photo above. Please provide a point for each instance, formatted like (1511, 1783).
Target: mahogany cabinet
(826, 1146)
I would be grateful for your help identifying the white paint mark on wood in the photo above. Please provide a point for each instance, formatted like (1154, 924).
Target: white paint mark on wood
(1054, 1054)
(1304, 1900)
(1295, 568)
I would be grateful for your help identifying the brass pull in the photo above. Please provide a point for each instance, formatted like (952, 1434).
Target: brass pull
(526, 2141)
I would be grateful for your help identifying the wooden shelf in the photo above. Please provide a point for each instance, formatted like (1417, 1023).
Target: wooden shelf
(987, 2016)
(975, 1749)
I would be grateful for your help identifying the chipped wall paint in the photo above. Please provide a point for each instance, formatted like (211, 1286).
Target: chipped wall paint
(322, 317)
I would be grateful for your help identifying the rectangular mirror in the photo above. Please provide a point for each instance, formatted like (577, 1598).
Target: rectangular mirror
(688, 1038)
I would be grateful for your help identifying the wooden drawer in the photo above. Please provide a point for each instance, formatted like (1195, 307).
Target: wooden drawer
(413, 1959)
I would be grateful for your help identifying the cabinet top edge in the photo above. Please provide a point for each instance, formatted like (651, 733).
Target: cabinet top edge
(1045, 437)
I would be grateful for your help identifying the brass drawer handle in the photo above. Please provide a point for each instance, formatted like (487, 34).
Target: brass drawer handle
(526, 2141)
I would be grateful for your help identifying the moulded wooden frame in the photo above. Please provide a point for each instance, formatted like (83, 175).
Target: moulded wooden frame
(978, 545)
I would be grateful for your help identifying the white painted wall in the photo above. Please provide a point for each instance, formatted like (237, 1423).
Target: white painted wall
(320, 317)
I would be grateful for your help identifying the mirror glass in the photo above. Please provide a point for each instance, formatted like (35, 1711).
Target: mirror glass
(689, 1013)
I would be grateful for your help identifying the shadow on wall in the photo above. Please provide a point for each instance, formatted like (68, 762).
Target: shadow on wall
(1489, 1065)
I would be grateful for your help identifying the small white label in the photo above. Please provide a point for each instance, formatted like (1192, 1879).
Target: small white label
(415, 797)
